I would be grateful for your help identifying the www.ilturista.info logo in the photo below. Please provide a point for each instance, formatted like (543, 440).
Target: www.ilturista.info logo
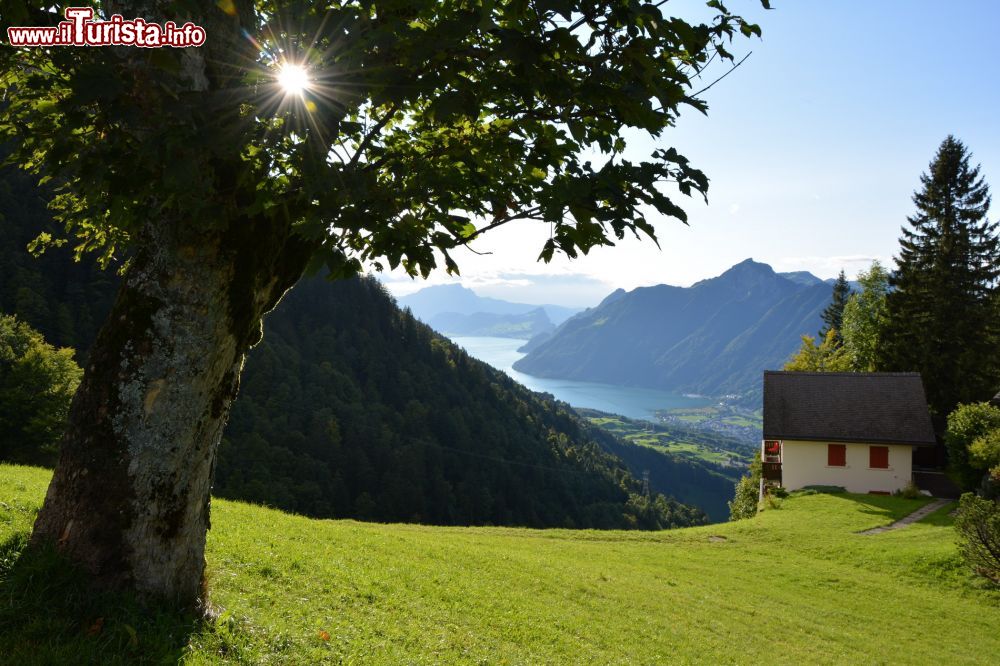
(80, 29)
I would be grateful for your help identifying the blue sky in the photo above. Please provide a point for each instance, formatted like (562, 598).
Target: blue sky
(814, 147)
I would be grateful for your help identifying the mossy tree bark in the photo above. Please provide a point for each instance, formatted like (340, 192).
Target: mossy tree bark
(130, 496)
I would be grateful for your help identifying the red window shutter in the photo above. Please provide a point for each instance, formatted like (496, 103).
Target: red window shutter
(878, 457)
(836, 455)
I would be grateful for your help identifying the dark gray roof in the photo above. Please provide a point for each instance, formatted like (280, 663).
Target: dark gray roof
(887, 407)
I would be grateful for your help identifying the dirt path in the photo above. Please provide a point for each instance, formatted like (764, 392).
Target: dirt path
(922, 512)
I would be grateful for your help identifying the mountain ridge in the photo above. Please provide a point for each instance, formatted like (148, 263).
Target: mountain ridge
(430, 302)
(714, 337)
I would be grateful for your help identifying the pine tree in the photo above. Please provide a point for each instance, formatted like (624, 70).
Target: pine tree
(941, 321)
(833, 315)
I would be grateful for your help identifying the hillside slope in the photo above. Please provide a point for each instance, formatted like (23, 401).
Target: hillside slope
(794, 585)
(350, 407)
(715, 337)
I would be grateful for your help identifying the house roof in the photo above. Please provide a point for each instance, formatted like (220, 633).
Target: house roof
(885, 407)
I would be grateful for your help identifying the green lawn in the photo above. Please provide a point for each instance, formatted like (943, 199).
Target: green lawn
(794, 585)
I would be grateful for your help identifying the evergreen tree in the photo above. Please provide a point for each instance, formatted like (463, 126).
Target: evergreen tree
(833, 315)
(940, 318)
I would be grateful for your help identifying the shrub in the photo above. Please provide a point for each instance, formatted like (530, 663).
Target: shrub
(744, 504)
(966, 425)
(909, 491)
(984, 453)
(978, 527)
(37, 382)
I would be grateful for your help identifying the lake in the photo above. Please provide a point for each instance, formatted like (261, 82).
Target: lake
(635, 403)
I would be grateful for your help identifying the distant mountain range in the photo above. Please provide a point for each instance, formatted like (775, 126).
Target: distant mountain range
(715, 337)
(456, 310)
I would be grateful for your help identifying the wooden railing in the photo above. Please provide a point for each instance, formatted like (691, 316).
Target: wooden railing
(771, 471)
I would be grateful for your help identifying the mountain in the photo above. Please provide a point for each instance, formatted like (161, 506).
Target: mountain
(350, 407)
(454, 298)
(804, 278)
(715, 337)
(853, 284)
(525, 326)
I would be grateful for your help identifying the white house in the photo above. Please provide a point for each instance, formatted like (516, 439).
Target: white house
(854, 430)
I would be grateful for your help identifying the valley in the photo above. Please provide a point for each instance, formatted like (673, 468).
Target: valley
(684, 440)
(503, 353)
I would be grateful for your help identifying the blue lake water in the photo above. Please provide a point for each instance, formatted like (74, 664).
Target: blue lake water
(635, 403)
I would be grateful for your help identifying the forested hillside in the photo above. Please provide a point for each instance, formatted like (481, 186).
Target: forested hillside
(66, 301)
(350, 407)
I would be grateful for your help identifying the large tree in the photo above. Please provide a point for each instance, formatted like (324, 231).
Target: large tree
(940, 318)
(422, 125)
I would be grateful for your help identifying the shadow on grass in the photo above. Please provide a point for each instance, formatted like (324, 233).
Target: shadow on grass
(50, 613)
(889, 508)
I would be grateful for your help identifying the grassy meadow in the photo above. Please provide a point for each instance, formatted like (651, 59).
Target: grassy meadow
(794, 585)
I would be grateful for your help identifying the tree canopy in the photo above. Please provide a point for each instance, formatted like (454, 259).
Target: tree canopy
(973, 441)
(424, 123)
(827, 356)
(420, 125)
(941, 316)
(864, 317)
(37, 382)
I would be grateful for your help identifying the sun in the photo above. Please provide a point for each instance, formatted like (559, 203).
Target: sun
(293, 79)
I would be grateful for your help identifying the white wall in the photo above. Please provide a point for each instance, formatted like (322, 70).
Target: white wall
(804, 464)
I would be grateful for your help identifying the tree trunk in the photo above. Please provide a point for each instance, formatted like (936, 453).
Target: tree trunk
(130, 496)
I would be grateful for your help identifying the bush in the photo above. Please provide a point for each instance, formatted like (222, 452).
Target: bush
(37, 383)
(744, 504)
(978, 527)
(966, 426)
(909, 491)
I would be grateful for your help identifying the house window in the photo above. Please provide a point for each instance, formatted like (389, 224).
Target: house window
(836, 455)
(878, 457)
